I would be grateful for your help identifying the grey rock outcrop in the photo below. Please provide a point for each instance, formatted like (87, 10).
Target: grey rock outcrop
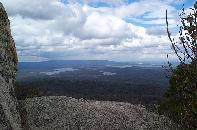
(9, 116)
(64, 113)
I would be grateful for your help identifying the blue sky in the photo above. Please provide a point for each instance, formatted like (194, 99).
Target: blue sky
(120, 30)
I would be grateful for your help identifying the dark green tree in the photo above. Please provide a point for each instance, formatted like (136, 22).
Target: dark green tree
(180, 102)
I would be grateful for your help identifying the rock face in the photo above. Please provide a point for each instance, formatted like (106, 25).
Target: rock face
(9, 116)
(64, 113)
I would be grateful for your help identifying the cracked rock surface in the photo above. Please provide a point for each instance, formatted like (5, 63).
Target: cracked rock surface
(64, 113)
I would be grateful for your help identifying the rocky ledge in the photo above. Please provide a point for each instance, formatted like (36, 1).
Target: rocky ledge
(64, 113)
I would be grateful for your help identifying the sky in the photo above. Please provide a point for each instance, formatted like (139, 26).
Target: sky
(117, 30)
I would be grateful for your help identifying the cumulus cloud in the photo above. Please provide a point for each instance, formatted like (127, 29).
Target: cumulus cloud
(74, 29)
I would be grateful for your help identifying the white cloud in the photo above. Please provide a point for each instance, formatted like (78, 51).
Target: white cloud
(50, 29)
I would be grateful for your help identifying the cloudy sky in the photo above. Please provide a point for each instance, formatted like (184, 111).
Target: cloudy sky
(120, 30)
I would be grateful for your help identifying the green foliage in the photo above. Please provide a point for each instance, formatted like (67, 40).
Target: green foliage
(181, 97)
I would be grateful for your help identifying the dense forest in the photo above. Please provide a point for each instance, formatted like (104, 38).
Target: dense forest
(135, 84)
